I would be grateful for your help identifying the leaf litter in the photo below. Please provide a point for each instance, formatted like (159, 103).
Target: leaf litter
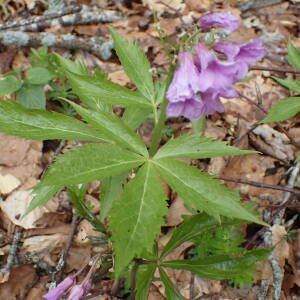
(22, 161)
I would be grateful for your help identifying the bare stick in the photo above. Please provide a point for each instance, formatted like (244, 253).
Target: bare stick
(259, 184)
(13, 250)
(273, 69)
(47, 16)
(84, 17)
(97, 46)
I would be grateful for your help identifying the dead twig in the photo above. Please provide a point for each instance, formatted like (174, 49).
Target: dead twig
(62, 261)
(13, 250)
(259, 184)
(47, 16)
(84, 17)
(273, 69)
(97, 46)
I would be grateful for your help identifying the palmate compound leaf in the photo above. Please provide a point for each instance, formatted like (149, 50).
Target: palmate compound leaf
(136, 217)
(135, 64)
(43, 125)
(283, 110)
(170, 290)
(145, 275)
(200, 191)
(193, 227)
(114, 128)
(220, 267)
(90, 162)
(101, 90)
(191, 146)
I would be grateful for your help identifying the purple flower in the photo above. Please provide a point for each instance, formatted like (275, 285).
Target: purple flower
(79, 291)
(214, 73)
(185, 83)
(61, 288)
(222, 19)
(183, 92)
(242, 54)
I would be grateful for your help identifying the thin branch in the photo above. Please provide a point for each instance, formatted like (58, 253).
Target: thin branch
(47, 16)
(259, 184)
(13, 250)
(273, 69)
(97, 46)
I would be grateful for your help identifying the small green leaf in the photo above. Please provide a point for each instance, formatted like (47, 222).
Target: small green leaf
(170, 290)
(192, 227)
(135, 64)
(293, 55)
(71, 66)
(286, 108)
(38, 75)
(291, 84)
(191, 146)
(144, 278)
(111, 188)
(136, 217)
(200, 191)
(43, 125)
(95, 92)
(90, 162)
(9, 84)
(221, 267)
(42, 195)
(31, 96)
(114, 128)
(135, 116)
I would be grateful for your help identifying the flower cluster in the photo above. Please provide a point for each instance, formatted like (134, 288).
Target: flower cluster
(202, 78)
(68, 285)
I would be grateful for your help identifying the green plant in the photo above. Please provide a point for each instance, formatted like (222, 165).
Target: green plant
(135, 209)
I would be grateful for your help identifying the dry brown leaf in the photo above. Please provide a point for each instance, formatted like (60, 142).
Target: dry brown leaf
(161, 6)
(175, 212)
(21, 279)
(8, 183)
(85, 230)
(44, 244)
(282, 248)
(16, 204)
(78, 257)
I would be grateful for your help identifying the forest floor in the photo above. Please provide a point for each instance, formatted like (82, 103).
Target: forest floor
(30, 247)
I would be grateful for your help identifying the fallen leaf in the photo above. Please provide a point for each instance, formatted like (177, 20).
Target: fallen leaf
(21, 278)
(8, 183)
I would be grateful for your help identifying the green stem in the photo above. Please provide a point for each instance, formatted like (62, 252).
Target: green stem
(158, 128)
(199, 126)
(162, 117)
(134, 279)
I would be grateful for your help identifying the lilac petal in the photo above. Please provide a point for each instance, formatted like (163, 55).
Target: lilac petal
(76, 292)
(193, 109)
(222, 19)
(57, 292)
(252, 52)
(185, 83)
(230, 50)
(211, 102)
(214, 73)
(175, 109)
